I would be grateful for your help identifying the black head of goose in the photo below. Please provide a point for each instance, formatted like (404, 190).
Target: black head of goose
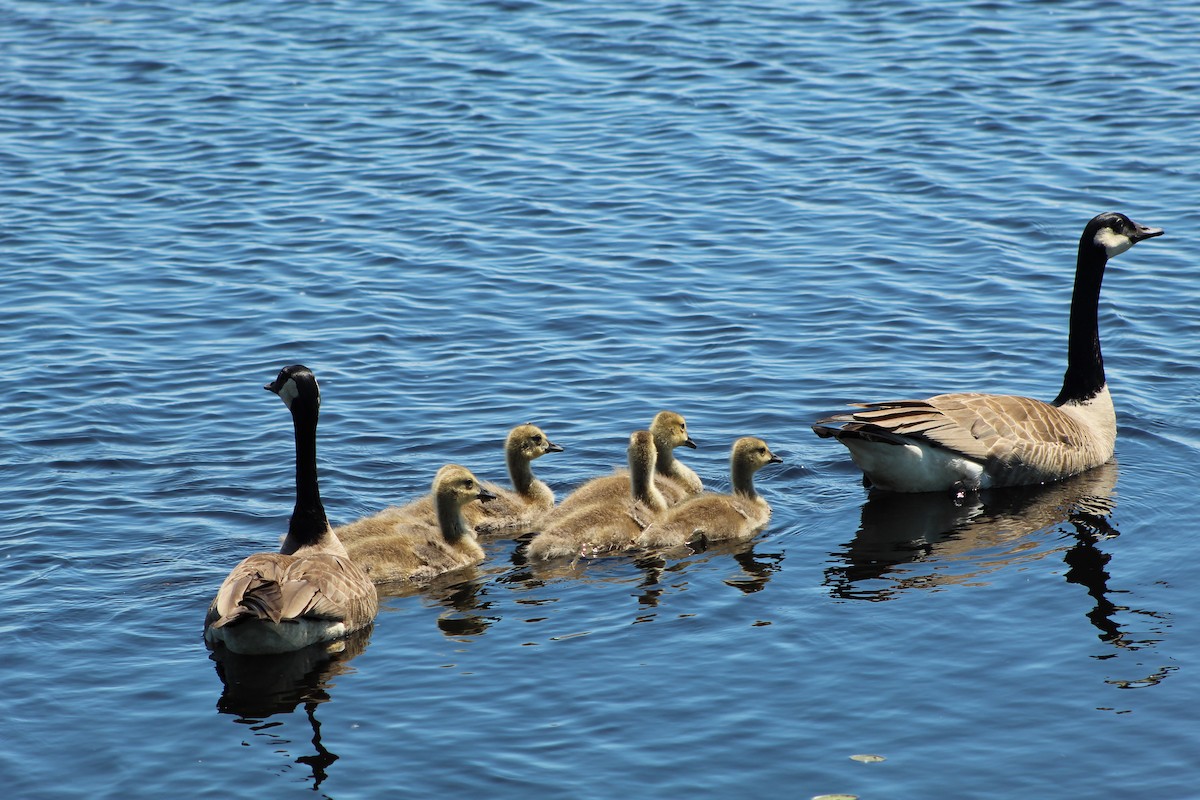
(310, 591)
(970, 441)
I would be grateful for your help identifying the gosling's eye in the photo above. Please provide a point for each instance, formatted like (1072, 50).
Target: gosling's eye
(537, 439)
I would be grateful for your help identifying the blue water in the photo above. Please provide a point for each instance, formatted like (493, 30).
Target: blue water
(468, 215)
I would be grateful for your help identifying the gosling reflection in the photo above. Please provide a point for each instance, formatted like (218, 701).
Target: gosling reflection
(918, 541)
(256, 687)
(462, 594)
(656, 575)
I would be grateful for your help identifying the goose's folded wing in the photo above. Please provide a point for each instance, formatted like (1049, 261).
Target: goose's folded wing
(328, 586)
(984, 427)
(280, 587)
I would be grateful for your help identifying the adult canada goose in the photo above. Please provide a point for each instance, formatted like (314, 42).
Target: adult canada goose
(713, 516)
(609, 523)
(310, 591)
(395, 547)
(512, 508)
(970, 441)
(674, 479)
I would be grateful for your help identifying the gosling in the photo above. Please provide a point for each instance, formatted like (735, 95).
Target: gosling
(513, 509)
(392, 547)
(714, 517)
(608, 524)
(675, 480)
(529, 497)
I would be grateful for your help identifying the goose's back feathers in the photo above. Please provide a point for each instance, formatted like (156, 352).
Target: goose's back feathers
(974, 440)
(273, 603)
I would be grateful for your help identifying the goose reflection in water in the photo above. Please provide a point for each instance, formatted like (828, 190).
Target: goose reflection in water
(961, 542)
(256, 687)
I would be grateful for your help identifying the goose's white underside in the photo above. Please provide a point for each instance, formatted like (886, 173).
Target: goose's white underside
(915, 467)
(1039, 443)
(263, 636)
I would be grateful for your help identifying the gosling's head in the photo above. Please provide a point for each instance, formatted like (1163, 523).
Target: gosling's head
(530, 442)
(752, 453)
(457, 483)
(1116, 233)
(670, 430)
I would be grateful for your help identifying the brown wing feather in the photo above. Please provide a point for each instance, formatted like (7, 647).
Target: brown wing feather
(282, 587)
(1017, 437)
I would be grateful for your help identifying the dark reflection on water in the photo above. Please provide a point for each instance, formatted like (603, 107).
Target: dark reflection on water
(931, 541)
(463, 593)
(659, 572)
(255, 688)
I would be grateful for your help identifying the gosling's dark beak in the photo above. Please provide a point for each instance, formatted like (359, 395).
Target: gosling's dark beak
(551, 447)
(774, 459)
(1145, 232)
(689, 443)
(485, 495)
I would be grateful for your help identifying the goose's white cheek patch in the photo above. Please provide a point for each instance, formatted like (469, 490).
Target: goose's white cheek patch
(289, 392)
(1113, 243)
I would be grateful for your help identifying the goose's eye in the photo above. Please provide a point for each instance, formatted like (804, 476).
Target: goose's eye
(537, 439)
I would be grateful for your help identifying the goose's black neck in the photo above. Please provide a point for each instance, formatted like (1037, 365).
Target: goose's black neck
(1084, 378)
(309, 523)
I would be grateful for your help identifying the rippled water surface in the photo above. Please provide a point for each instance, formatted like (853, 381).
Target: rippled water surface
(467, 215)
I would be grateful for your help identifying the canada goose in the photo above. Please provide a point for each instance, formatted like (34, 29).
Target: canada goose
(674, 479)
(714, 516)
(970, 441)
(607, 524)
(512, 508)
(395, 547)
(310, 591)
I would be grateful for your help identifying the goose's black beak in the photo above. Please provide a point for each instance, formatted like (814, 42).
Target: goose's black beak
(485, 495)
(551, 447)
(689, 443)
(1145, 232)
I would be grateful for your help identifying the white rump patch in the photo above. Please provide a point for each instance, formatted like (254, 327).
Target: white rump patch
(915, 467)
(1113, 243)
